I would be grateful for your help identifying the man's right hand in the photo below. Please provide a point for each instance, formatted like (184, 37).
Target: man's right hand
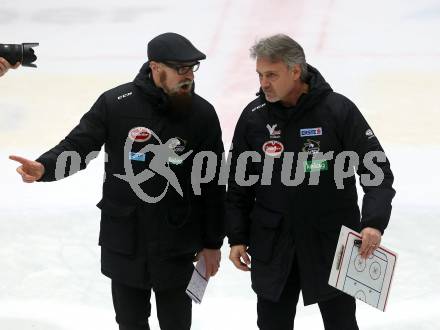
(29, 170)
(239, 257)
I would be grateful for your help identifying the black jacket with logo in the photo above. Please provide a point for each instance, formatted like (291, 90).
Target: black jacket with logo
(134, 233)
(279, 221)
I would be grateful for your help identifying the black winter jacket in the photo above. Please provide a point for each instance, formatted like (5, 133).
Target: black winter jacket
(277, 221)
(134, 233)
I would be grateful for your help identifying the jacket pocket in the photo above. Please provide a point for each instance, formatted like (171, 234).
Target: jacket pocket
(118, 227)
(181, 232)
(265, 229)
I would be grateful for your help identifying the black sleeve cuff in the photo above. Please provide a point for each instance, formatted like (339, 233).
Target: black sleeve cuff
(213, 245)
(49, 169)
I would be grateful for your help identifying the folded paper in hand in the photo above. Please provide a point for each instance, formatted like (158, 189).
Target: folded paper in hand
(197, 285)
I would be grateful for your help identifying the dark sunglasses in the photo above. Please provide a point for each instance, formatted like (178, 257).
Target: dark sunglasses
(183, 68)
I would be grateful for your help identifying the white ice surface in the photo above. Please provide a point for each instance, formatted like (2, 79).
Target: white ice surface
(384, 55)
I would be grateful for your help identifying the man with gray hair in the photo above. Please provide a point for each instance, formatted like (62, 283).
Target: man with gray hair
(291, 228)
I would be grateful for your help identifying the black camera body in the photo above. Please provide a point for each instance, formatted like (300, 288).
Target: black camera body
(22, 53)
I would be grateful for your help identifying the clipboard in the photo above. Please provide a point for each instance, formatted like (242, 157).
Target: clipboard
(368, 280)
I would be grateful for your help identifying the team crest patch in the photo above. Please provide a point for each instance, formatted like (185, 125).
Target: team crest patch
(139, 134)
(369, 133)
(303, 132)
(177, 144)
(273, 148)
(311, 146)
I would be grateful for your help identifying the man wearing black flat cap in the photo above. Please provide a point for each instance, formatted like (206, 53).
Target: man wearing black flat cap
(149, 235)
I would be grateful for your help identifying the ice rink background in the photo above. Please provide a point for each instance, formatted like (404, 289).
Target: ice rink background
(384, 55)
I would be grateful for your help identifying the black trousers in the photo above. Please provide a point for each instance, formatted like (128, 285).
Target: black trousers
(337, 313)
(133, 308)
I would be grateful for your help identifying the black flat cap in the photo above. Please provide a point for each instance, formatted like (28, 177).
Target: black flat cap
(173, 47)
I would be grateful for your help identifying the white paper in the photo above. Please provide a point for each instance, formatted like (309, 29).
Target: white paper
(197, 285)
(368, 279)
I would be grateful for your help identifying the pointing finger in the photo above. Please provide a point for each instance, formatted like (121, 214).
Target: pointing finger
(19, 159)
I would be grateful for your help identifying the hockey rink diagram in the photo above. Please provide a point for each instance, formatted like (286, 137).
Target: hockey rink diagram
(367, 279)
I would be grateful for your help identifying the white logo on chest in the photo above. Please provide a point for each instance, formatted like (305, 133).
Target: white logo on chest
(274, 134)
